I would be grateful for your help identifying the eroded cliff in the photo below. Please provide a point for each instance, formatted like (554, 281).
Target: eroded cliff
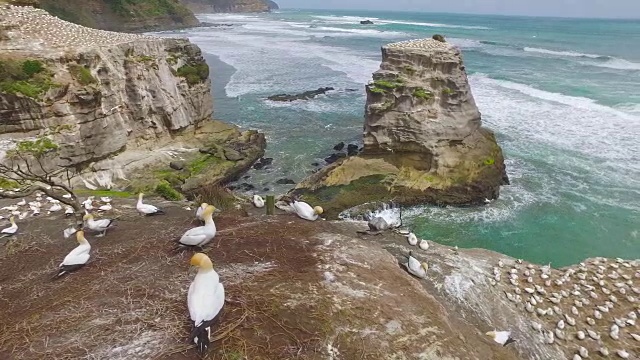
(230, 6)
(423, 140)
(115, 103)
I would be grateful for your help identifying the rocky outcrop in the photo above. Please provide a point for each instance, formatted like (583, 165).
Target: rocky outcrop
(423, 140)
(117, 15)
(302, 96)
(230, 6)
(115, 103)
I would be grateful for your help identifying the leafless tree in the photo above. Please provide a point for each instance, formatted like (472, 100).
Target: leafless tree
(26, 170)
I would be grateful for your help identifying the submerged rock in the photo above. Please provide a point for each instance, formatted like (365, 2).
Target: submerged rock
(262, 163)
(352, 150)
(285, 182)
(302, 96)
(423, 140)
(366, 22)
(339, 146)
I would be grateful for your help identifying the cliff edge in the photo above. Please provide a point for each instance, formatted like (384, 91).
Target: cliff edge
(230, 6)
(423, 139)
(117, 104)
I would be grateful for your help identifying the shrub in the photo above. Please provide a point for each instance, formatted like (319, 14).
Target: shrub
(81, 74)
(386, 84)
(422, 93)
(32, 67)
(438, 37)
(165, 190)
(215, 195)
(376, 90)
(146, 58)
(194, 74)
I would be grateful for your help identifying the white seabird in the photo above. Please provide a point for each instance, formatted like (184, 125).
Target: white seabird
(205, 300)
(305, 211)
(413, 239)
(416, 268)
(424, 245)
(258, 201)
(11, 230)
(147, 209)
(501, 337)
(105, 207)
(77, 258)
(201, 235)
(100, 225)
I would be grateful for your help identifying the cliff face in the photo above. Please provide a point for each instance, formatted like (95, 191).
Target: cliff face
(230, 6)
(114, 102)
(123, 15)
(423, 140)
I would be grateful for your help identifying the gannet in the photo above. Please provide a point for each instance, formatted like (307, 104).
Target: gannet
(205, 300)
(55, 207)
(286, 207)
(22, 202)
(105, 207)
(68, 211)
(147, 209)
(77, 258)
(11, 230)
(305, 211)
(67, 196)
(258, 201)
(200, 210)
(201, 235)
(416, 268)
(105, 199)
(100, 225)
(413, 240)
(88, 204)
(424, 245)
(501, 337)
(69, 231)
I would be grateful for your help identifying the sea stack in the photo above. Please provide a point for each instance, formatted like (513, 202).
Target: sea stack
(423, 138)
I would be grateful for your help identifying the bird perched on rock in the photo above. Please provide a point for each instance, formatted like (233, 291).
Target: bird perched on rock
(501, 337)
(258, 201)
(413, 239)
(415, 267)
(201, 235)
(77, 258)
(205, 300)
(147, 209)
(100, 226)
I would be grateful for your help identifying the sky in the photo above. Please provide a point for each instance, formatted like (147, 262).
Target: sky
(559, 8)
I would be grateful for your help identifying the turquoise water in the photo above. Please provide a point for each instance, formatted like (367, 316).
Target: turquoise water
(563, 96)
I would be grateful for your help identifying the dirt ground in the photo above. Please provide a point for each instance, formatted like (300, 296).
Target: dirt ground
(295, 290)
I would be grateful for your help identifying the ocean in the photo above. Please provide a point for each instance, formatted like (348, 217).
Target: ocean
(562, 95)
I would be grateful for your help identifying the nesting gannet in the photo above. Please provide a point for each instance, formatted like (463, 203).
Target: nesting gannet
(22, 202)
(205, 300)
(88, 204)
(258, 201)
(69, 231)
(623, 354)
(11, 230)
(305, 211)
(501, 337)
(424, 245)
(77, 258)
(416, 268)
(413, 240)
(200, 210)
(68, 211)
(105, 207)
(201, 235)
(147, 209)
(286, 207)
(100, 225)
(105, 199)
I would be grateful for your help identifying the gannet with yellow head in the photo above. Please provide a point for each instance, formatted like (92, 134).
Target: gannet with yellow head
(200, 210)
(201, 235)
(11, 230)
(305, 211)
(147, 209)
(77, 258)
(205, 300)
(100, 225)
(415, 267)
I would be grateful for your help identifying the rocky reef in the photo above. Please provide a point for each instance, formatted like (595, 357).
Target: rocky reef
(423, 139)
(230, 6)
(115, 103)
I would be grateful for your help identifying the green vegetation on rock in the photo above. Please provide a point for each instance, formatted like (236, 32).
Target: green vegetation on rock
(489, 161)
(146, 58)
(7, 184)
(165, 190)
(388, 84)
(422, 94)
(376, 90)
(194, 74)
(29, 78)
(448, 91)
(81, 74)
(409, 69)
(100, 193)
(36, 148)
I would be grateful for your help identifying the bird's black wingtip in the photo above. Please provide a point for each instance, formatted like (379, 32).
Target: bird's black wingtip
(509, 341)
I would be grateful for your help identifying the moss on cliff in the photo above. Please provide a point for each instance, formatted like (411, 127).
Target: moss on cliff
(27, 77)
(81, 74)
(194, 74)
